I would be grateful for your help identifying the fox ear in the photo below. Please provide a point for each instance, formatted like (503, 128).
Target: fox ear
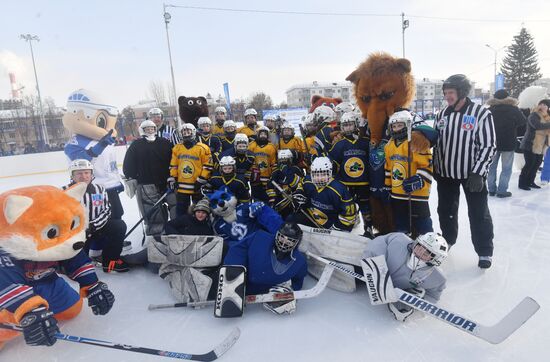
(15, 206)
(77, 191)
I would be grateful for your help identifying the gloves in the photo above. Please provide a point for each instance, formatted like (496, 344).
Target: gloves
(130, 187)
(105, 141)
(300, 199)
(385, 195)
(284, 307)
(400, 311)
(39, 327)
(198, 186)
(413, 183)
(475, 182)
(100, 298)
(255, 208)
(255, 175)
(171, 183)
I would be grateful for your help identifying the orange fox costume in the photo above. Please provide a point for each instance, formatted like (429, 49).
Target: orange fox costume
(41, 228)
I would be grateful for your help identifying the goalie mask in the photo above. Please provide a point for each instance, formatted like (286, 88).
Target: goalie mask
(321, 171)
(241, 143)
(287, 239)
(398, 125)
(148, 130)
(429, 248)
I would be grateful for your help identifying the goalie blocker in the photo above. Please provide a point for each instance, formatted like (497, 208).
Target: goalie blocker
(231, 292)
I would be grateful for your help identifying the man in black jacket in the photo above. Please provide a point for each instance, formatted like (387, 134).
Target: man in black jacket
(506, 118)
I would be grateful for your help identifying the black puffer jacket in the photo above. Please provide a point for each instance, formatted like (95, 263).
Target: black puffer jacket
(507, 118)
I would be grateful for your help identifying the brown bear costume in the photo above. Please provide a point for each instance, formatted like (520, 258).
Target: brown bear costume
(192, 108)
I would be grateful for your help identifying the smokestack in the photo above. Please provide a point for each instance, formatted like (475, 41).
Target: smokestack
(14, 90)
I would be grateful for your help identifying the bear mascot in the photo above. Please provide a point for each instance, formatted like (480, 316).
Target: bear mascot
(384, 84)
(192, 108)
(42, 232)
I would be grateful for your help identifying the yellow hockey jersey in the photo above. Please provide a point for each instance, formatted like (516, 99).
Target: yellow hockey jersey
(249, 132)
(294, 143)
(190, 165)
(217, 130)
(396, 170)
(265, 159)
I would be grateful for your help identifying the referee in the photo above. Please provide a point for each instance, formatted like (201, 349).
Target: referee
(163, 130)
(462, 156)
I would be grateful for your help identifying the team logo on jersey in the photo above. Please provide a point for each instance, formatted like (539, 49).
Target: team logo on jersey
(468, 122)
(262, 164)
(377, 157)
(238, 230)
(97, 199)
(319, 216)
(398, 174)
(442, 123)
(354, 167)
(186, 169)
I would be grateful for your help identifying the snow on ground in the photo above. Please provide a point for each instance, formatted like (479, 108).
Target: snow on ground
(334, 326)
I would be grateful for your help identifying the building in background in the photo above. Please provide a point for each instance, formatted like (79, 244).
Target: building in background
(299, 95)
(543, 82)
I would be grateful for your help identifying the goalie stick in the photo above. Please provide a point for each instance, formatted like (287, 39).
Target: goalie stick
(212, 355)
(493, 334)
(264, 298)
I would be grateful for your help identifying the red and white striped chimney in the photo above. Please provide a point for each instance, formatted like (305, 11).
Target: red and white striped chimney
(14, 89)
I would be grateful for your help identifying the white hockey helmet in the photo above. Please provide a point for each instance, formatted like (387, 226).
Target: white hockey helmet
(349, 123)
(436, 248)
(202, 122)
(80, 164)
(155, 112)
(321, 171)
(227, 165)
(250, 112)
(220, 109)
(404, 117)
(324, 114)
(147, 128)
(343, 107)
(309, 122)
(289, 130)
(188, 132)
(229, 126)
(241, 143)
(285, 156)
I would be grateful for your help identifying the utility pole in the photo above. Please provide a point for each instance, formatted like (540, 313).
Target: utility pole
(495, 64)
(44, 132)
(404, 25)
(167, 18)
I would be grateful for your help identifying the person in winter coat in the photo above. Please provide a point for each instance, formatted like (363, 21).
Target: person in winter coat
(506, 118)
(195, 223)
(539, 119)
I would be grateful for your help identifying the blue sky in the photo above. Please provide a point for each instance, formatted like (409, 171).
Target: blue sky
(117, 48)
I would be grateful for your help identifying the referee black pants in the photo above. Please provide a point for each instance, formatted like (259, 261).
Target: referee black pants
(481, 224)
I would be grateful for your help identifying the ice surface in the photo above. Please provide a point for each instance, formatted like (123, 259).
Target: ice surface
(334, 326)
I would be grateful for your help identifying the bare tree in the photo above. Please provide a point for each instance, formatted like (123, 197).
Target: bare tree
(157, 92)
(260, 101)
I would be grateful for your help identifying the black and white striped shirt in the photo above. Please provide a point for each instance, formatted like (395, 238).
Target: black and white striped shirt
(170, 133)
(96, 202)
(466, 141)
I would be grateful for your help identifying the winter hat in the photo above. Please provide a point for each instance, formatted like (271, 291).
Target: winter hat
(501, 94)
(202, 205)
(545, 101)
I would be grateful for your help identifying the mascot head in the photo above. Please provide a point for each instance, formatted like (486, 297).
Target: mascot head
(222, 202)
(192, 108)
(317, 101)
(43, 223)
(88, 115)
(383, 84)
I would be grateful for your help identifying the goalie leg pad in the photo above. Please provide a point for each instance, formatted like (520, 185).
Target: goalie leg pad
(187, 250)
(231, 292)
(339, 280)
(147, 196)
(186, 284)
(378, 280)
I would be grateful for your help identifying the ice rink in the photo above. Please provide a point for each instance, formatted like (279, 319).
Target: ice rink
(333, 326)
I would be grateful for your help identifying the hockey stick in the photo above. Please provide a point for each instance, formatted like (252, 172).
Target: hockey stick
(212, 355)
(492, 334)
(148, 213)
(289, 198)
(263, 298)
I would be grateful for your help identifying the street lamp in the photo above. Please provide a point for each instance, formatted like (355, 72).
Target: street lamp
(29, 38)
(495, 63)
(167, 18)
(404, 25)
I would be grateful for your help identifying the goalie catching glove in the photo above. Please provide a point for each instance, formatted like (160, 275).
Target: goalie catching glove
(284, 307)
(402, 311)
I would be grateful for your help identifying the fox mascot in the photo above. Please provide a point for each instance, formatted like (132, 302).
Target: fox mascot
(42, 231)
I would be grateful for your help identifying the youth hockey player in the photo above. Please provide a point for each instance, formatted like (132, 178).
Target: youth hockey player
(400, 160)
(265, 161)
(289, 141)
(326, 200)
(288, 177)
(219, 117)
(226, 175)
(412, 265)
(204, 125)
(269, 122)
(250, 124)
(243, 157)
(271, 260)
(234, 222)
(103, 233)
(229, 132)
(191, 166)
(163, 130)
(324, 116)
(147, 169)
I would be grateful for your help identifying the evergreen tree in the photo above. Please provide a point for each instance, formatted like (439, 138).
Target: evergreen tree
(520, 65)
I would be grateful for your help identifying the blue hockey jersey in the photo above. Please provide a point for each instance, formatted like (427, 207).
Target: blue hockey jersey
(256, 253)
(352, 158)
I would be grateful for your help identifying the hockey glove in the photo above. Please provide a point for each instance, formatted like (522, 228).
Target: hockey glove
(130, 186)
(171, 184)
(255, 208)
(475, 182)
(39, 327)
(105, 141)
(299, 199)
(100, 298)
(284, 307)
(413, 183)
(400, 311)
(255, 176)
